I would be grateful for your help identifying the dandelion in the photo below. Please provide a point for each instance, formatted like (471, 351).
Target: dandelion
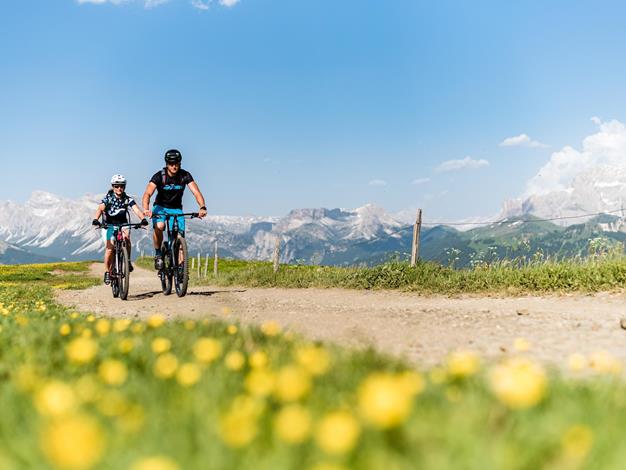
(270, 328)
(384, 401)
(337, 433)
(258, 360)
(81, 350)
(189, 325)
(232, 329)
(161, 345)
(91, 318)
(55, 398)
(103, 327)
(518, 383)
(138, 328)
(411, 381)
(165, 366)
(121, 325)
(125, 345)
(157, 462)
(155, 321)
(188, 374)
(113, 372)
(73, 443)
(234, 360)
(463, 364)
(260, 382)
(87, 388)
(292, 383)
(293, 424)
(65, 329)
(206, 350)
(315, 359)
(238, 427)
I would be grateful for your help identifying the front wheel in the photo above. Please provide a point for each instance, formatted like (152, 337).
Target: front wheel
(181, 266)
(123, 273)
(115, 279)
(166, 272)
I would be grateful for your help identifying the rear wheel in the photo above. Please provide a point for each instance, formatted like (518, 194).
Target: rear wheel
(124, 278)
(166, 272)
(181, 264)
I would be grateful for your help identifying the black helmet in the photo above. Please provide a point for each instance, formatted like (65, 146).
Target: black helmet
(173, 156)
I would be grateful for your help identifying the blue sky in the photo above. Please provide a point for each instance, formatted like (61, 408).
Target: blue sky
(281, 104)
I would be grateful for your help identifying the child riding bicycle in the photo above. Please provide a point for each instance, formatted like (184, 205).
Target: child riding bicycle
(115, 207)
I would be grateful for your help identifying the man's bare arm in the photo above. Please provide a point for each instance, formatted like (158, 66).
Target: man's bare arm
(193, 187)
(145, 201)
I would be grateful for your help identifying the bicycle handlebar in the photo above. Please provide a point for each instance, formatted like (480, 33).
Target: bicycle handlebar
(105, 225)
(191, 215)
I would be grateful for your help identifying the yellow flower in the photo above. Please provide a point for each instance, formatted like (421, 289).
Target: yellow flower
(293, 424)
(412, 382)
(521, 344)
(161, 345)
(337, 433)
(103, 327)
(138, 328)
(270, 328)
(157, 462)
(113, 372)
(258, 359)
(232, 329)
(260, 382)
(125, 345)
(81, 350)
(206, 350)
(463, 364)
(88, 389)
(91, 318)
(73, 443)
(189, 374)
(155, 321)
(189, 325)
(577, 442)
(518, 382)
(55, 398)
(315, 359)
(74, 315)
(165, 366)
(120, 325)
(604, 363)
(239, 427)
(86, 333)
(234, 360)
(577, 362)
(65, 329)
(384, 400)
(292, 383)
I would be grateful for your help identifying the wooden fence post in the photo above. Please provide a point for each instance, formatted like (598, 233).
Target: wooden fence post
(415, 247)
(206, 265)
(215, 261)
(276, 253)
(198, 265)
(193, 263)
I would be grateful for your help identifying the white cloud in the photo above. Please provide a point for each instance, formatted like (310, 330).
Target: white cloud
(419, 181)
(229, 3)
(199, 4)
(462, 164)
(522, 140)
(377, 183)
(607, 147)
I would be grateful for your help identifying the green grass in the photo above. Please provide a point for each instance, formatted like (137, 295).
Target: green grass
(590, 275)
(456, 421)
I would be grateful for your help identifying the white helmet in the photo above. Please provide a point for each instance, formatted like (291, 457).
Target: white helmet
(118, 179)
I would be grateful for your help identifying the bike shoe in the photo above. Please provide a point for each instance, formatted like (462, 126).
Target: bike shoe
(158, 263)
(130, 267)
(107, 278)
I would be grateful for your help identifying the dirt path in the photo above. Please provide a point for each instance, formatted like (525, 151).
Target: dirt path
(422, 329)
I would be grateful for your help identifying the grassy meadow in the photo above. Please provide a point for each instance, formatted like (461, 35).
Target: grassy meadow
(80, 392)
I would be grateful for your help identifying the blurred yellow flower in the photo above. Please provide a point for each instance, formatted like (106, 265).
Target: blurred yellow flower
(206, 350)
(73, 443)
(161, 345)
(103, 327)
(270, 328)
(155, 321)
(521, 344)
(165, 366)
(260, 382)
(258, 359)
(189, 325)
(157, 462)
(234, 360)
(518, 382)
(188, 374)
(463, 364)
(293, 424)
(126, 345)
(292, 383)
(337, 433)
(138, 328)
(577, 362)
(55, 398)
(315, 359)
(232, 329)
(577, 441)
(74, 315)
(238, 427)
(86, 333)
(113, 372)
(91, 318)
(412, 381)
(65, 329)
(88, 388)
(605, 363)
(384, 400)
(81, 350)
(121, 324)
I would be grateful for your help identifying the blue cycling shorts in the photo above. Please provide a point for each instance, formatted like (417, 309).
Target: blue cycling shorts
(162, 211)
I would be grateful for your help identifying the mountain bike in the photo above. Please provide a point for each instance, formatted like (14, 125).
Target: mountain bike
(120, 276)
(175, 268)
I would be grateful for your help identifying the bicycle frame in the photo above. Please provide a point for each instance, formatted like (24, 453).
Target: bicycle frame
(118, 273)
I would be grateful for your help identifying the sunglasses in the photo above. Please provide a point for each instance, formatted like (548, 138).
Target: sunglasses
(117, 186)
(173, 163)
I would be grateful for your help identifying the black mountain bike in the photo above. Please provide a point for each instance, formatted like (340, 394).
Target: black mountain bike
(175, 269)
(120, 276)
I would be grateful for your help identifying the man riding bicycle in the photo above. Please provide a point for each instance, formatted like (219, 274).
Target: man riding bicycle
(115, 207)
(170, 183)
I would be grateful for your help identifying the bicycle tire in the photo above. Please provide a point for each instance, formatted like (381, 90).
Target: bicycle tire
(123, 271)
(166, 273)
(181, 278)
(115, 286)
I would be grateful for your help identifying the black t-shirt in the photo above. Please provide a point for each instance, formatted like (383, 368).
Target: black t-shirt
(170, 192)
(116, 209)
